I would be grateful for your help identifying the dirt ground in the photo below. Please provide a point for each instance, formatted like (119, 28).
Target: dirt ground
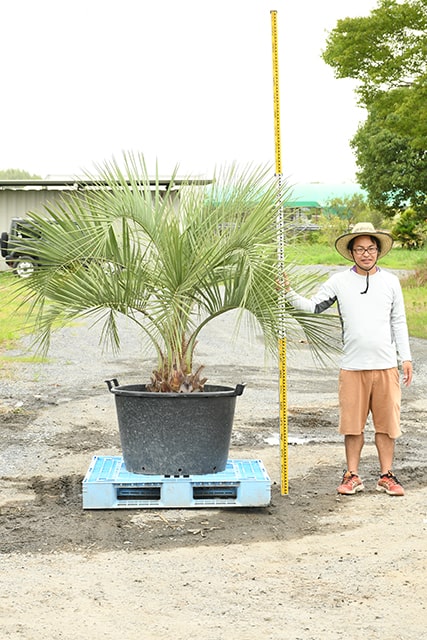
(310, 566)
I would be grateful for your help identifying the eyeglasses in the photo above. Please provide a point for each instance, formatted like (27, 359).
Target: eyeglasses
(359, 251)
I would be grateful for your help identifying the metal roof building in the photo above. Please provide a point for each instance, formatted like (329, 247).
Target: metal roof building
(18, 197)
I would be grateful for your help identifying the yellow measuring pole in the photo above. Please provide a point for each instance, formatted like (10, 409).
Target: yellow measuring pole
(283, 410)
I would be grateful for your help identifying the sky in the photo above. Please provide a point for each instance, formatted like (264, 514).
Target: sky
(186, 83)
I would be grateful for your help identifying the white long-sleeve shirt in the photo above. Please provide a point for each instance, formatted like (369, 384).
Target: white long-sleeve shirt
(374, 323)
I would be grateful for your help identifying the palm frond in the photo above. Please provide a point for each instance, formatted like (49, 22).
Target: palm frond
(169, 259)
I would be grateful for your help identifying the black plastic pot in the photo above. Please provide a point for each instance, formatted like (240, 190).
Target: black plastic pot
(175, 433)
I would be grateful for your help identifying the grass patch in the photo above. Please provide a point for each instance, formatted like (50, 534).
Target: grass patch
(416, 311)
(32, 359)
(13, 320)
(13, 317)
(415, 294)
(309, 254)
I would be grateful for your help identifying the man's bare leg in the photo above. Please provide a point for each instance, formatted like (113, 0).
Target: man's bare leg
(353, 449)
(385, 448)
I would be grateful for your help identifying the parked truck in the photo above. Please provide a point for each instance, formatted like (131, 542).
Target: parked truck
(22, 263)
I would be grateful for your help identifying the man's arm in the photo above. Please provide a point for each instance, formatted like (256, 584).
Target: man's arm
(321, 301)
(401, 335)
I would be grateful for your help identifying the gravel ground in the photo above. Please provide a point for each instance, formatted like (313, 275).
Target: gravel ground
(310, 566)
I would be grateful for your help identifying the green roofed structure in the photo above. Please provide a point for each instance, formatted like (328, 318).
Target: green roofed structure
(315, 195)
(302, 204)
(306, 200)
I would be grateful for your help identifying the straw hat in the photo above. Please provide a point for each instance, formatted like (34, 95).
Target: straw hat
(363, 229)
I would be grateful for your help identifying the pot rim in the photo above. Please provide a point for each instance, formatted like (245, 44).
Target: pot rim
(130, 390)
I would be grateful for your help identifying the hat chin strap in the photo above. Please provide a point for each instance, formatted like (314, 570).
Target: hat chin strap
(367, 275)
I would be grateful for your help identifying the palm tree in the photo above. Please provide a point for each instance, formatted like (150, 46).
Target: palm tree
(171, 261)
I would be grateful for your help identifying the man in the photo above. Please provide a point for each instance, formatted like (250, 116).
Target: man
(371, 308)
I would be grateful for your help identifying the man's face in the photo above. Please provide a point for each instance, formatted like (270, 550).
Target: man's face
(364, 252)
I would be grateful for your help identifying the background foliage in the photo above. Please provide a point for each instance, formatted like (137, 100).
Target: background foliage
(17, 174)
(386, 52)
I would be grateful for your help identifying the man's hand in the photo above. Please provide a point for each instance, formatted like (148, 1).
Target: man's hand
(283, 283)
(407, 372)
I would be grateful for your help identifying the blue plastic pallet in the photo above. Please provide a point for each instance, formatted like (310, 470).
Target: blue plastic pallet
(108, 485)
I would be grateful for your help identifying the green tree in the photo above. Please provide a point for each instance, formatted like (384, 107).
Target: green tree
(404, 111)
(339, 214)
(353, 208)
(409, 230)
(387, 53)
(383, 51)
(17, 174)
(393, 171)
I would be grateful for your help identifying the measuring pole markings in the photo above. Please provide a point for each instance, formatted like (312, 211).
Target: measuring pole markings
(283, 413)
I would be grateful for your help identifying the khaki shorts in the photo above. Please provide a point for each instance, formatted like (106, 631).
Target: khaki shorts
(378, 392)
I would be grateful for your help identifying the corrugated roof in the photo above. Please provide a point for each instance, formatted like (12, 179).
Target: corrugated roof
(72, 183)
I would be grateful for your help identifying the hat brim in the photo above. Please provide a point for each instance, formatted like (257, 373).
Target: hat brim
(385, 240)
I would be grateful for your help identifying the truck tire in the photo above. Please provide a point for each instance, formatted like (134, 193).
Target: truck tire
(24, 266)
(4, 243)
